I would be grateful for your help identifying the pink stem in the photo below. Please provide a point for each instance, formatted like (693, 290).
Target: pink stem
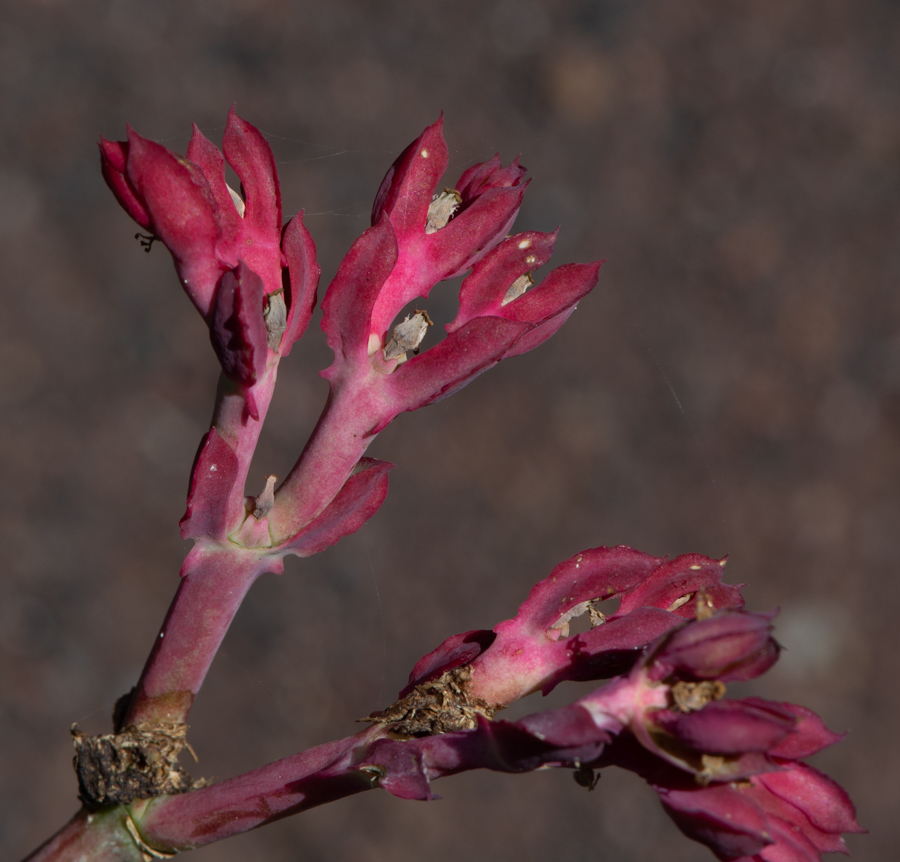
(215, 577)
(214, 583)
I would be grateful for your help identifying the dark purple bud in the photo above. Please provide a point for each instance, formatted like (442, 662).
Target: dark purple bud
(727, 727)
(808, 736)
(237, 327)
(720, 817)
(731, 645)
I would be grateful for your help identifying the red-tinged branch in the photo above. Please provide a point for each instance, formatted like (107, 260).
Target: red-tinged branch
(320, 775)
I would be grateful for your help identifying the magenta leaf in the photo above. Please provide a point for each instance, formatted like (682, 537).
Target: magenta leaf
(359, 499)
(212, 478)
(303, 279)
(489, 175)
(473, 232)
(449, 365)
(113, 161)
(406, 189)
(483, 292)
(248, 152)
(182, 211)
(597, 573)
(722, 818)
(810, 735)
(207, 156)
(348, 303)
(684, 576)
(821, 799)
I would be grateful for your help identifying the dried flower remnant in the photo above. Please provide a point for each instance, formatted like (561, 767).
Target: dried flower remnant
(441, 209)
(407, 336)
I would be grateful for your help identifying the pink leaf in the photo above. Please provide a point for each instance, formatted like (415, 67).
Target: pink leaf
(450, 365)
(405, 192)
(182, 212)
(303, 276)
(248, 152)
(359, 499)
(212, 479)
(348, 303)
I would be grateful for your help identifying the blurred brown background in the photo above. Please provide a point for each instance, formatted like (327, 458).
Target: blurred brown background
(733, 386)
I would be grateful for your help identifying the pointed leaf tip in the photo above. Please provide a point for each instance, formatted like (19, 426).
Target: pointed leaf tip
(359, 499)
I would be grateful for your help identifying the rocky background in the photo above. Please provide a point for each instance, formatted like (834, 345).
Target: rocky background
(733, 385)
